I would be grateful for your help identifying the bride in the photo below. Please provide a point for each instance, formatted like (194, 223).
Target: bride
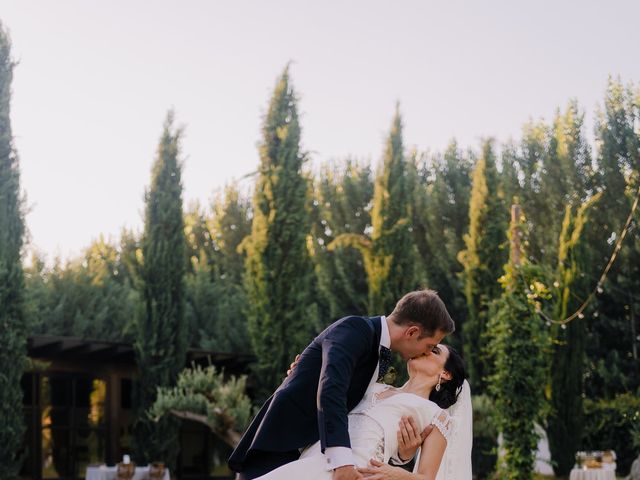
(436, 381)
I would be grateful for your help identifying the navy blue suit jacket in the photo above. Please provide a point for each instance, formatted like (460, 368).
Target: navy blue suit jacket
(330, 379)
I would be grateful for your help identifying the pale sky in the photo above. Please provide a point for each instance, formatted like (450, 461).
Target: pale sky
(96, 78)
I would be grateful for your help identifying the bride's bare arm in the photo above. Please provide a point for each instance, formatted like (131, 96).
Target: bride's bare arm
(430, 458)
(431, 455)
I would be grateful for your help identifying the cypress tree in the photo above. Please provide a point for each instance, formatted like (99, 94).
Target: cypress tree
(390, 255)
(342, 201)
(518, 346)
(12, 319)
(161, 339)
(613, 365)
(482, 258)
(441, 218)
(565, 182)
(391, 219)
(215, 292)
(278, 281)
(573, 152)
(563, 158)
(200, 294)
(229, 225)
(199, 243)
(533, 160)
(509, 170)
(565, 422)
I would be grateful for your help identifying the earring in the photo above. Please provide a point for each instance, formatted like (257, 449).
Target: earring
(438, 385)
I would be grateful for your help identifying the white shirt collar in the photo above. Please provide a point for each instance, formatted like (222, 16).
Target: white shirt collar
(385, 337)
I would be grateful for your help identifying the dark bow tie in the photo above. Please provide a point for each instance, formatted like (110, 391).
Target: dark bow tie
(384, 362)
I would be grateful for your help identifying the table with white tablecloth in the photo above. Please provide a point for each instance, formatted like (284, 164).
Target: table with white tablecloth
(109, 473)
(592, 474)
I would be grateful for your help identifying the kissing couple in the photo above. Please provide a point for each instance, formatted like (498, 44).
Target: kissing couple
(331, 420)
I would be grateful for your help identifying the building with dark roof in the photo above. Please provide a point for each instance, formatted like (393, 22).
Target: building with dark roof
(79, 409)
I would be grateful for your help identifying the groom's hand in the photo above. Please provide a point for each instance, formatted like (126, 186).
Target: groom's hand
(348, 472)
(382, 471)
(410, 438)
(293, 365)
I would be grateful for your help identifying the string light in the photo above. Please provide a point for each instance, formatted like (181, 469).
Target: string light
(579, 313)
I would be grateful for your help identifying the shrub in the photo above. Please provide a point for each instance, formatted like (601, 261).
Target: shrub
(609, 425)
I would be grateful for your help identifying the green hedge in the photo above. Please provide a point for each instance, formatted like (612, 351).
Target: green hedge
(609, 425)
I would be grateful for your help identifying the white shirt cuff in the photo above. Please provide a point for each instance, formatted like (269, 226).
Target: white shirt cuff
(338, 457)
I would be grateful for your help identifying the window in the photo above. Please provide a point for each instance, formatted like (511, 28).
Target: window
(73, 424)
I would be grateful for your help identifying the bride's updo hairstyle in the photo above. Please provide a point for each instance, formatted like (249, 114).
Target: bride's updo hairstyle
(450, 390)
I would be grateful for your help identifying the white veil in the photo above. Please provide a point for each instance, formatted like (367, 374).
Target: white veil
(456, 462)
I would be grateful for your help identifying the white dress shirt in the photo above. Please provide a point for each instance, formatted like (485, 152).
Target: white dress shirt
(341, 456)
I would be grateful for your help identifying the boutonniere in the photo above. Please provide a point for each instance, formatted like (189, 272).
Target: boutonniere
(389, 378)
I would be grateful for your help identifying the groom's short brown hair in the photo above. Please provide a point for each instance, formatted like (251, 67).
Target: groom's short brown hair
(426, 309)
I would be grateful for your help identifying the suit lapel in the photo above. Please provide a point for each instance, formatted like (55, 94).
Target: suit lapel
(364, 379)
(377, 327)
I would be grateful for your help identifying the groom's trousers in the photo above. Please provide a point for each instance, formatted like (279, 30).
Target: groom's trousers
(259, 462)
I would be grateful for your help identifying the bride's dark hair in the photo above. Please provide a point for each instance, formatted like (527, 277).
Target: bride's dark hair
(450, 390)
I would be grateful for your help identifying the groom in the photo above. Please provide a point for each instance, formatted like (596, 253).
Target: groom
(330, 379)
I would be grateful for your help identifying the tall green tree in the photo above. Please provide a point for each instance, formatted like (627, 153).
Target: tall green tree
(391, 219)
(215, 292)
(612, 365)
(533, 160)
(12, 319)
(510, 171)
(441, 218)
(342, 205)
(574, 155)
(197, 235)
(229, 225)
(518, 346)
(90, 296)
(280, 307)
(561, 161)
(389, 254)
(566, 387)
(482, 259)
(161, 337)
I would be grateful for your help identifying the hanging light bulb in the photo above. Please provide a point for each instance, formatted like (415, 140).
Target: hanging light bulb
(581, 315)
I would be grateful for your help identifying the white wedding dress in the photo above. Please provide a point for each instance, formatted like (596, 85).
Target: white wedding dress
(373, 427)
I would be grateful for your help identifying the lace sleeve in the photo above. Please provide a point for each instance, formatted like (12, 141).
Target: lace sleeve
(444, 423)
